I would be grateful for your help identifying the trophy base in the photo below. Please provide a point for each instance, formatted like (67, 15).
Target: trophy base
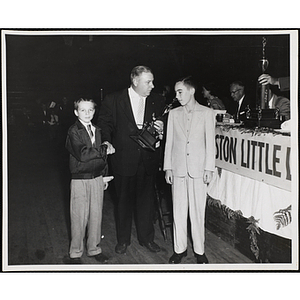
(145, 140)
(269, 118)
(270, 123)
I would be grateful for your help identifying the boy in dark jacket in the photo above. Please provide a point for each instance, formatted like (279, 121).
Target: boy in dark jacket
(88, 166)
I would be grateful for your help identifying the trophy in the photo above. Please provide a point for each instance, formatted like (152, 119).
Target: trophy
(264, 63)
(149, 136)
(263, 115)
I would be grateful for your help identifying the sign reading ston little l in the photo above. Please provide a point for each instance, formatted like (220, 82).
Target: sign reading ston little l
(264, 157)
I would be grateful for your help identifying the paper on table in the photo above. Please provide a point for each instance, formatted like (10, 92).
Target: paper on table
(286, 125)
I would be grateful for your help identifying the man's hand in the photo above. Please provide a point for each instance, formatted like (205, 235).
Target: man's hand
(110, 148)
(267, 79)
(169, 176)
(159, 126)
(207, 176)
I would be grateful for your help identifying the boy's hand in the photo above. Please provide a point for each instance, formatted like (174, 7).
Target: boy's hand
(207, 176)
(169, 176)
(106, 179)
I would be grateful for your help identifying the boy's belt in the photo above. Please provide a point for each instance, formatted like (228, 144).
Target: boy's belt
(85, 175)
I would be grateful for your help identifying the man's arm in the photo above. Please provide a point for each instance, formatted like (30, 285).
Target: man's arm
(210, 141)
(169, 144)
(283, 83)
(106, 119)
(285, 108)
(168, 151)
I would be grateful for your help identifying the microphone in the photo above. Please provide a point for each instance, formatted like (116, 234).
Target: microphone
(169, 106)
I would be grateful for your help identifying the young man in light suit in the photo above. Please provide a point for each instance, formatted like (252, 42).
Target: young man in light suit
(189, 163)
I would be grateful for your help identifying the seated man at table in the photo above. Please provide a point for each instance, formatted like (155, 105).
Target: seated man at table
(237, 92)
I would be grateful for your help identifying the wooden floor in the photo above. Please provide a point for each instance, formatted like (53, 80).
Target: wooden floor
(38, 213)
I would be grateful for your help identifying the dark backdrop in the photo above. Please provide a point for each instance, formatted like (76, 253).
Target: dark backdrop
(50, 67)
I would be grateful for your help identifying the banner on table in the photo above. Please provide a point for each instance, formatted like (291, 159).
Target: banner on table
(264, 157)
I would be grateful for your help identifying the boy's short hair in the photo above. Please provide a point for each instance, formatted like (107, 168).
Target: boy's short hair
(76, 102)
(189, 82)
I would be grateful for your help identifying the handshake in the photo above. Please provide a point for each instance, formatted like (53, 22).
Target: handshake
(110, 147)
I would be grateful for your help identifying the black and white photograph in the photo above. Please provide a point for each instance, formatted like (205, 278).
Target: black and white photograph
(150, 150)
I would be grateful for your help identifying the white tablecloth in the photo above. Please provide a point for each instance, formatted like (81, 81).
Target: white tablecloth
(253, 198)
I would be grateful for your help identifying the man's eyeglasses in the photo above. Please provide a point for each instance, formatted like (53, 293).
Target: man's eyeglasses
(233, 92)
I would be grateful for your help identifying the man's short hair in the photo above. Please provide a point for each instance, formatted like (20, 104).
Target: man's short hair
(189, 82)
(238, 82)
(138, 70)
(76, 102)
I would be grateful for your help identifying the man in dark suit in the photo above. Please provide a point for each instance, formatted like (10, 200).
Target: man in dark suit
(237, 92)
(121, 116)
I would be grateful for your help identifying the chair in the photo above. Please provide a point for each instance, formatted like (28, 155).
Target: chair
(163, 197)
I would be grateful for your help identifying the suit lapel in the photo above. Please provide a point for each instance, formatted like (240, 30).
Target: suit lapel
(126, 106)
(180, 119)
(196, 118)
(83, 132)
(243, 105)
(148, 111)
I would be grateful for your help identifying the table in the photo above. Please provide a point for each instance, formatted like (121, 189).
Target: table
(253, 176)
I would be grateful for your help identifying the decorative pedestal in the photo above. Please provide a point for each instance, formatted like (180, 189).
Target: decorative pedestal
(244, 234)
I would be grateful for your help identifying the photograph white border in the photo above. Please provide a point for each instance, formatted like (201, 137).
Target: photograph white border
(161, 268)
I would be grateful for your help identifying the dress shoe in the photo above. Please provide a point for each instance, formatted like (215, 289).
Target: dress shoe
(153, 247)
(201, 259)
(176, 258)
(101, 258)
(72, 261)
(121, 248)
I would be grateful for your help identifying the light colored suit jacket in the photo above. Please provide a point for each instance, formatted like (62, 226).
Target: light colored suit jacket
(194, 152)
(283, 104)
(284, 83)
